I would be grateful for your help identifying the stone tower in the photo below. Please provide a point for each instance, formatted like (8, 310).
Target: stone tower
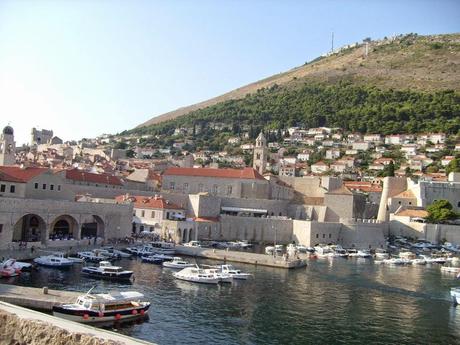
(260, 154)
(7, 147)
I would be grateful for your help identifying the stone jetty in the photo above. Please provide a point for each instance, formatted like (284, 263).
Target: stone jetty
(243, 257)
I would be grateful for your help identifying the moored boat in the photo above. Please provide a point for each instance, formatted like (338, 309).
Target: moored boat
(107, 271)
(223, 277)
(17, 265)
(177, 262)
(235, 273)
(53, 261)
(109, 307)
(455, 294)
(196, 275)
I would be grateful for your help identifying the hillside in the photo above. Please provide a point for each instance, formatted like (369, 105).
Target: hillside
(422, 64)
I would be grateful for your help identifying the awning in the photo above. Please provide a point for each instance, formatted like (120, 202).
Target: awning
(243, 209)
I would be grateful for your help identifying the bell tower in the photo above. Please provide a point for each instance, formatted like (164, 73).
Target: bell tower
(7, 147)
(260, 154)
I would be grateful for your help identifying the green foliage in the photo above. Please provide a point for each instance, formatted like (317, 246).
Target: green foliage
(120, 145)
(440, 211)
(130, 154)
(453, 166)
(353, 108)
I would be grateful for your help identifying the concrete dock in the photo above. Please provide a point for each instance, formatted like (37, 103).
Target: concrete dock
(24, 326)
(34, 297)
(243, 257)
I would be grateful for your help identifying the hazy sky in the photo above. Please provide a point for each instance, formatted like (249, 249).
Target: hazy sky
(83, 68)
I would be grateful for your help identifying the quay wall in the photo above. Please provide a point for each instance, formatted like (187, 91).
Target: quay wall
(435, 233)
(23, 326)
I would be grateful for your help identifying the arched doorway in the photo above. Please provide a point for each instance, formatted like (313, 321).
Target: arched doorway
(64, 227)
(190, 238)
(92, 227)
(30, 228)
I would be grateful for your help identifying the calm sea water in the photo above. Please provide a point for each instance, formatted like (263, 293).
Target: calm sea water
(333, 301)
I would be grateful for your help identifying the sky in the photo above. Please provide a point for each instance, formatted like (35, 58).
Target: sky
(83, 68)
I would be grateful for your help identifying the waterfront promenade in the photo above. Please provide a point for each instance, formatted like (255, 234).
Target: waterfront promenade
(243, 257)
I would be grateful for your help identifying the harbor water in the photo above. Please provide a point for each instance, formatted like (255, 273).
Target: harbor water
(331, 301)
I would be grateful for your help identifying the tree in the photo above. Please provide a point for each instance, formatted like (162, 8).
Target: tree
(389, 169)
(130, 154)
(440, 211)
(121, 145)
(453, 166)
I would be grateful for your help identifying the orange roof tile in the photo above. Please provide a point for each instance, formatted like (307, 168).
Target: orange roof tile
(18, 174)
(246, 173)
(148, 202)
(79, 175)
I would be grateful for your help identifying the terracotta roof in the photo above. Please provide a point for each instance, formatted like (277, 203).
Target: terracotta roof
(342, 191)
(79, 175)
(412, 213)
(407, 194)
(206, 219)
(18, 174)
(363, 186)
(246, 173)
(148, 202)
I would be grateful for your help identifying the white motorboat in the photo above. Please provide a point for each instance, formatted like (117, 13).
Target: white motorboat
(165, 248)
(16, 265)
(117, 252)
(397, 261)
(455, 294)
(450, 269)
(93, 256)
(53, 261)
(193, 244)
(352, 252)
(323, 251)
(418, 261)
(157, 258)
(278, 248)
(8, 269)
(364, 254)
(196, 275)
(223, 277)
(339, 252)
(434, 260)
(381, 254)
(107, 271)
(245, 244)
(302, 249)
(71, 258)
(109, 307)
(269, 250)
(177, 262)
(235, 273)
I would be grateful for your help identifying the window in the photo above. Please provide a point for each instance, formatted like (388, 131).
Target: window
(51, 186)
(458, 204)
(142, 213)
(258, 156)
(215, 189)
(153, 214)
(59, 187)
(185, 186)
(171, 185)
(12, 188)
(1, 228)
(229, 190)
(2, 188)
(134, 214)
(141, 228)
(36, 185)
(324, 235)
(44, 186)
(317, 235)
(329, 235)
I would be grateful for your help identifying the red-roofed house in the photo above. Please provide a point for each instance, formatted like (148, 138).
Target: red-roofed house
(233, 183)
(80, 177)
(150, 212)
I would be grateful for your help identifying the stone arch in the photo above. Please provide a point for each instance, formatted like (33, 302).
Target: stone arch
(30, 228)
(93, 226)
(64, 227)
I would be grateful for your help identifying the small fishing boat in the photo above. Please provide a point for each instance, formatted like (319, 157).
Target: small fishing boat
(455, 294)
(223, 277)
(235, 273)
(53, 261)
(107, 271)
(93, 256)
(196, 275)
(119, 253)
(17, 265)
(381, 254)
(177, 262)
(364, 254)
(157, 258)
(193, 244)
(8, 271)
(108, 307)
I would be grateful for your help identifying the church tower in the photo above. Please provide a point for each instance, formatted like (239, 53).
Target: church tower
(7, 147)
(260, 154)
